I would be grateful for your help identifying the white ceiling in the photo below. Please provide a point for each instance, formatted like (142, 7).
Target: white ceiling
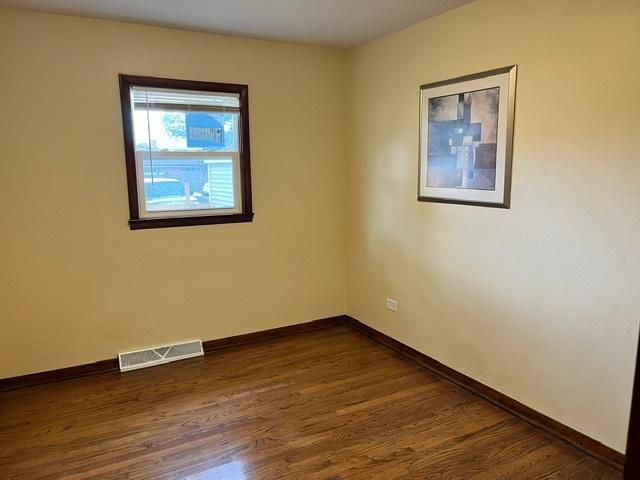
(336, 23)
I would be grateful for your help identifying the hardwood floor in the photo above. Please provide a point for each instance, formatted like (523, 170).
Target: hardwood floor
(330, 404)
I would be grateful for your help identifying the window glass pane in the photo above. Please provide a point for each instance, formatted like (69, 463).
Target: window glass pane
(188, 184)
(165, 130)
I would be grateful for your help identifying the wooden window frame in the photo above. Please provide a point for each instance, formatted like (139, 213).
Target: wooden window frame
(135, 220)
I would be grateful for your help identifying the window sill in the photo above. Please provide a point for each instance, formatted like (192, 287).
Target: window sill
(145, 223)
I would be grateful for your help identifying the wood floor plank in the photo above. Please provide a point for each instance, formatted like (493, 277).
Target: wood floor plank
(328, 404)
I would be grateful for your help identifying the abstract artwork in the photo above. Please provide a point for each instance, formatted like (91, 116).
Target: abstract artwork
(466, 129)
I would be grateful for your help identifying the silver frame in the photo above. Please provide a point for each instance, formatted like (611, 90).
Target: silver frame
(511, 107)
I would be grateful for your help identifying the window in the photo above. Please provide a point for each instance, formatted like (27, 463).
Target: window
(187, 152)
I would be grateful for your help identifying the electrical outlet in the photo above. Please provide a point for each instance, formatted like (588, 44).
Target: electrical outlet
(392, 304)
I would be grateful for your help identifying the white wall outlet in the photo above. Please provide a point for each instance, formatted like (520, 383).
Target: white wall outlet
(392, 304)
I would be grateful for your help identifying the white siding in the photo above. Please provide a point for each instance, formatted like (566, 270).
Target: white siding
(221, 184)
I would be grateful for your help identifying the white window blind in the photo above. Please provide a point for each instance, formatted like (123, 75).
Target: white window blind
(161, 98)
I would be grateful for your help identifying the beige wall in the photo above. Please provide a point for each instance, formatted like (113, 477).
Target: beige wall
(76, 285)
(541, 302)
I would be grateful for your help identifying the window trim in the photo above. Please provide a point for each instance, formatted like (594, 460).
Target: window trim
(136, 222)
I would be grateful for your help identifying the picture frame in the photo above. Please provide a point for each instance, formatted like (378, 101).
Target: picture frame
(466, 139)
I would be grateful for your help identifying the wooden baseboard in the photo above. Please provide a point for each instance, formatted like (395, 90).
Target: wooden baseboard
(568, 434)
(111, 365)
(50, 376)
(213, 345)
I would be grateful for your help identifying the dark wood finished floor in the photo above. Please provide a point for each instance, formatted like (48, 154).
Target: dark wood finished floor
(330, 404)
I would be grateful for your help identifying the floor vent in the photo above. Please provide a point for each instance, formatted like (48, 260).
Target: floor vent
(159, 355)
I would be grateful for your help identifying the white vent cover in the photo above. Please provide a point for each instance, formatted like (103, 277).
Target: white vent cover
(159, 355)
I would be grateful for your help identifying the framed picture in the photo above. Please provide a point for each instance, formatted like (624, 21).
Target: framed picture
(466, 137)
